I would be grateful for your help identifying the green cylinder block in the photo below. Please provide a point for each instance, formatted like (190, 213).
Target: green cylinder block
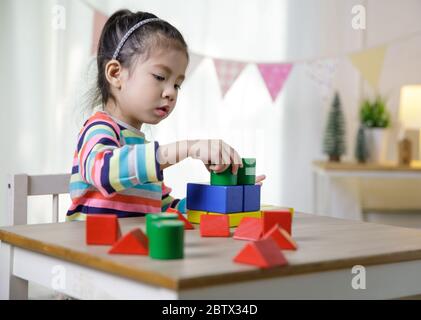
(166, 239)
(225, 178)
(247, 174)
(151, 217)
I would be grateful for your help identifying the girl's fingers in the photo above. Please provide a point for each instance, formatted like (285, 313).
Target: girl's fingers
(260, 178)
(234, 168)
(218, 168)
(235, 160)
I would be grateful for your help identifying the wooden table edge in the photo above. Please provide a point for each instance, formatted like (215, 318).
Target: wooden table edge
(152, 278)
(87, 260)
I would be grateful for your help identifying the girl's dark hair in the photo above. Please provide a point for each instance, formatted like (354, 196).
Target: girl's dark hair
(150, 36)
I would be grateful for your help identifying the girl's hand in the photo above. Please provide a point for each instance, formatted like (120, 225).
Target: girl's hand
(260, 178)
(215, 154)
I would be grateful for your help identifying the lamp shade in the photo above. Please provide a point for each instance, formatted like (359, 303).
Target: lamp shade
(410, 107)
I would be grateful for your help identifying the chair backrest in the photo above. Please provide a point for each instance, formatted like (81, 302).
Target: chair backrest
(20, 186)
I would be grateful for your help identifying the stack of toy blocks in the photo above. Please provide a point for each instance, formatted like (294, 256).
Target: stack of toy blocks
(235, 195)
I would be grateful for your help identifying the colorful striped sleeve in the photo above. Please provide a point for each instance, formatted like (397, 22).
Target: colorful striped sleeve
(169, 201)
(110, 167)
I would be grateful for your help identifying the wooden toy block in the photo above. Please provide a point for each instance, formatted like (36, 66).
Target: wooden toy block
(134, 242)
(281, 217)
(247, 174)
(214, 226)
(102, 229)
(166, 239)
(281, 237)
(194, 215)
(187, 224)
(249, 229)
(251, 197)
(263, 253)
(221, 199)
(235, 218)
(225, 178)
(268, 207)
(151, 217)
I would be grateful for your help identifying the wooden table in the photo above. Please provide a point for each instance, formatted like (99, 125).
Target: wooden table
(55, 255)
(347, 194)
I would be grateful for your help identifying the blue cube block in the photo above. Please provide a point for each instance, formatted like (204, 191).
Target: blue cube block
(221, 199)
(196, 196)
(251, 197)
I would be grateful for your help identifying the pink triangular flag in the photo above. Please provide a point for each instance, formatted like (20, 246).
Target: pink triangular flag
(227, 71)
(274, 75)
(98, 24)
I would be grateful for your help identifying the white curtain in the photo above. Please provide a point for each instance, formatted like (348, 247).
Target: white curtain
(45, 73)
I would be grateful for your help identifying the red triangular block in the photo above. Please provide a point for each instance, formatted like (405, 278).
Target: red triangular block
(281, 237)
(263, 253)
(273, 217)
(187, 224)
(249, 229)
(214, 225)
(134, 242)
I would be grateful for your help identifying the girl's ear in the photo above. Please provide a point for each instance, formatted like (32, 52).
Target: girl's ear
(113, 71)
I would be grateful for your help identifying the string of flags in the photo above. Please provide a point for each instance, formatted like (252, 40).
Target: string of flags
(369, 62)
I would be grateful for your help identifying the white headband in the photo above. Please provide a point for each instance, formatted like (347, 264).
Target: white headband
(128, 33)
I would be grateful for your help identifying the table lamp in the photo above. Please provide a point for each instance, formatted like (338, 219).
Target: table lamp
(410, 110)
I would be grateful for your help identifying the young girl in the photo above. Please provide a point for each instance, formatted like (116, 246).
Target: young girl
(141, 63)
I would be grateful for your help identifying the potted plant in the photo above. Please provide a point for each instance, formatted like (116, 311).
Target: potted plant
(376, 119)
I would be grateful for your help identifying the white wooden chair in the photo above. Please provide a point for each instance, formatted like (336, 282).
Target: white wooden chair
(20, 186)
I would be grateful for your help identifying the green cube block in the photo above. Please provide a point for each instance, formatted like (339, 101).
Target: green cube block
(247, 174)
(166, 239)
(151, 217)
(225, 178)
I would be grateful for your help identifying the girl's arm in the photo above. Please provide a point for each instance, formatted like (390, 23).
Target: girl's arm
(110, 167)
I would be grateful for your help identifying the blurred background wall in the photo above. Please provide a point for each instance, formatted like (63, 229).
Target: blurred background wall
(47, 71)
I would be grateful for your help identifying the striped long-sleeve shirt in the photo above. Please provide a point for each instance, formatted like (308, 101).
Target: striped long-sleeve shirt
(115, 170)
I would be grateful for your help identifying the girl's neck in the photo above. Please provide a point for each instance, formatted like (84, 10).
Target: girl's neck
(116, 112)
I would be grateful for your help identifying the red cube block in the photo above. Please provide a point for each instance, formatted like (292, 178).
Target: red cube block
(214, 226)
(273, 217)
(102, 229)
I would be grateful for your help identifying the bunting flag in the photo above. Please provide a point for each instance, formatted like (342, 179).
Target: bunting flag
(194, 61)
(370, 63)
(98, 24)
(322, 72)
(227, 71)
(274, 75)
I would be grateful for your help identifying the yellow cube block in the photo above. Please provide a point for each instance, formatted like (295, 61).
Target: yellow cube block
(235, 218)
(194, 215)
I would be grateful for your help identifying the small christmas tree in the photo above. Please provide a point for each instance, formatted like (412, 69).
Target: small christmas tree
(361, 152)
(334, 139)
